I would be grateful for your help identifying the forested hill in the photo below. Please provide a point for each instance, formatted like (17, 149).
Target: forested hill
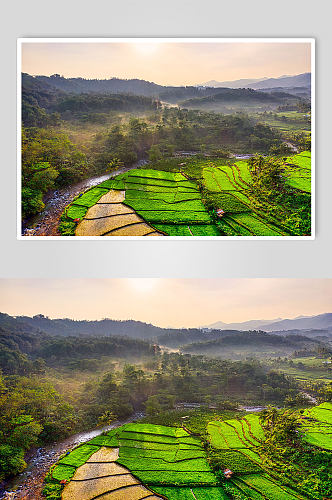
(104, 327)
(57, 85)
(171, 337)
(248, 96)
(114, 86)
(25, 349)
(255, 340)
(195, 340)
(106, 86)
(109, 327)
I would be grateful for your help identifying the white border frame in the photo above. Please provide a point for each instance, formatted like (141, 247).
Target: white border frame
(311, 41)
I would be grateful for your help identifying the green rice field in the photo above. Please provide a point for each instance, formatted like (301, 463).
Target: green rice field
(185, 203)
(167, 460)
(137, 461)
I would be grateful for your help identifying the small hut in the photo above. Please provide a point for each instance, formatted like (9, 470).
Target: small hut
(220, 212)
(228, 473)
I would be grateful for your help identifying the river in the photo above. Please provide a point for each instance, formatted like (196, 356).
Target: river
(46, 222)
(29, 484)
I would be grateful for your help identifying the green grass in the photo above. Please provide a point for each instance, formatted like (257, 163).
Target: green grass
(299, 180)
(148, 445)
(204, 230)
(173, 229)
(154, 429)
(76, 211)
(248, 492)
(251, 454)
(248, 434)
(175, 477)
(313, 369)
(174, 493)
(63, 472)
(321, 414)
(319, 439)
(223, 436)
(256, 226)
(155, 464)
(298, 171)
(185, 493)
(217, 180)
(210, 493)
(180, 202)
(79, 455)
(326, 406)
(91, 197)
(173, 216)
(172, 196)
(236, 461)
(146, 181)
(112, 184)
(192, 452)
(268, 487)
(105, 440)
(228, 202)
(157, 174)
(244, 171)
(153, 438)
(300, 160)
(188, 229)
(160, 205)
(247, 224)
(255, 426)
(245, 438)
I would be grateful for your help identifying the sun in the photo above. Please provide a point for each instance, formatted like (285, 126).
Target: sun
(146, 48)
(142, 285)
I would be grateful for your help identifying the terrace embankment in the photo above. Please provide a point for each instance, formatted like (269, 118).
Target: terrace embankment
(46, 222)
(101, 476)
(111, 217)
(29, 484)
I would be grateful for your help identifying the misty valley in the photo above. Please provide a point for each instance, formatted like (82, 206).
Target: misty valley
(224, 411)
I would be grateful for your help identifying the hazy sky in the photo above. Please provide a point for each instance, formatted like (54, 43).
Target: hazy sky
(167, 302)
(167, 63)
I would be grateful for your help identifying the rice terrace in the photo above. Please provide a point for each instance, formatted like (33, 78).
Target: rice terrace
(190, 198)
(229, 459)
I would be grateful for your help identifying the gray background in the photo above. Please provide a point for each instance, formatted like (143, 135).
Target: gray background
(107, 258)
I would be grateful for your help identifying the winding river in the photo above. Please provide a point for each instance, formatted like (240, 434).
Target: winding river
(29, 484)
(46, 222)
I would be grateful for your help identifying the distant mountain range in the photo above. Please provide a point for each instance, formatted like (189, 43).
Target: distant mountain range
(234, 84)
(321, 321)
(302, 80)
(252, 324)
(42, 336)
